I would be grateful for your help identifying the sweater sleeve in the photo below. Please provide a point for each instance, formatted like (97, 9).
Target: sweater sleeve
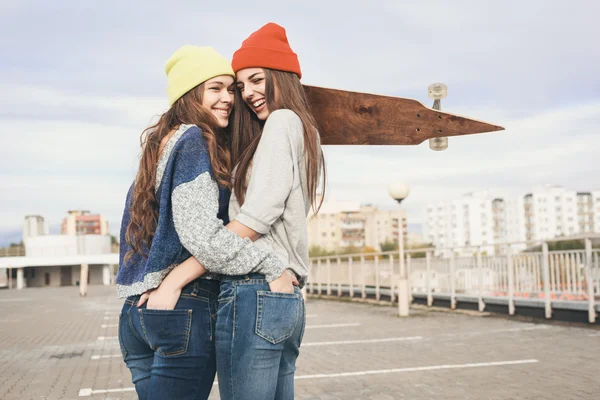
(195, 204)
(272, 177)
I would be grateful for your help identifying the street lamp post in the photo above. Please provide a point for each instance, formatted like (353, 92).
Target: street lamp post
(399, 191)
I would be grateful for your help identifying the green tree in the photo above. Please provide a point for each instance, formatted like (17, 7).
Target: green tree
(318, 251)
(420, 254)
(564, 245)
(389, 246)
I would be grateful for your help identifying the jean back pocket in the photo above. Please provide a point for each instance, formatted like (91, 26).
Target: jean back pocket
(276, 315)
(167, 331)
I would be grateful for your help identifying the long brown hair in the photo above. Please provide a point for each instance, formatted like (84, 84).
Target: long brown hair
(144, 208)
(247, 131)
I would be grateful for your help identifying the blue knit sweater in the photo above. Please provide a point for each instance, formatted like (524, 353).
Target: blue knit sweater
(192, 211)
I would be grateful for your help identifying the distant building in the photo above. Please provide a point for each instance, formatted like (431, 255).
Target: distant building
(55, 260)
(65, 245)
(382, 225)
(586, 212)
(34, 225)
(479, 219)
(348, 224)
(468, 221)
(550, 211)
(82, 222)
(415, 239)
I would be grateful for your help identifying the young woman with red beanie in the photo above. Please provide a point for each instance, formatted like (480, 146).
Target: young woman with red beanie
(277, 161)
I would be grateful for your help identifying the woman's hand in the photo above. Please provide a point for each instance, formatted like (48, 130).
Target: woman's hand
(163, 297)
(285, 283)
(166, 295)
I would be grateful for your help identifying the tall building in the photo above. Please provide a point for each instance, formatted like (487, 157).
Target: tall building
(82, 222)
(478, 219)
(382, 225)
(468, 221)
(550, 211)
(513, 219)
(585, 212)
(596, 210)
(34, 225)
(347, 224)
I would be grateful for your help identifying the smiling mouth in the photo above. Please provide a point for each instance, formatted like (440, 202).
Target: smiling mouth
(219, 111)
(258, 104)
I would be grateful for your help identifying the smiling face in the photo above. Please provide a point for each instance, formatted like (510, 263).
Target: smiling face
(252, 85)
(218, 98)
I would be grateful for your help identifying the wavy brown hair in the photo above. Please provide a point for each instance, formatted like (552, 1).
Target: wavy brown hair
(247, 131)
(144, 208)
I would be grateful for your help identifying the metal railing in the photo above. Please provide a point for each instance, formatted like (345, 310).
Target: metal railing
(544, 278)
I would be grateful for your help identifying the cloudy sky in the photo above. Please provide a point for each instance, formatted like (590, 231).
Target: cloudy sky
(80, 80)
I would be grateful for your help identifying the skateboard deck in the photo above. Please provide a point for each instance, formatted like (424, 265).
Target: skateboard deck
(354, 118)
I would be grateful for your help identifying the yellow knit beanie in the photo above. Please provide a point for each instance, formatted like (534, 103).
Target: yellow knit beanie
(189, 66)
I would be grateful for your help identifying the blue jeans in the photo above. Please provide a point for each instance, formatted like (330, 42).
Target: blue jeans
(258, 337)
(171, 353)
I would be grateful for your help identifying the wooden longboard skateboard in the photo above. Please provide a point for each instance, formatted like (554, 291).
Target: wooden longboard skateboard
(353, 118)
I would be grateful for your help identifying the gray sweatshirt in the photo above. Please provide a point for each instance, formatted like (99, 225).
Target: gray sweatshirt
(276, 203)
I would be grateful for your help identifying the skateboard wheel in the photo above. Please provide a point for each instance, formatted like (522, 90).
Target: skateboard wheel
(437, 91)
(438, 144)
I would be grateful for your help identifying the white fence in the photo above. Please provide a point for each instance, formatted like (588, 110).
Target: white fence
(546, 278)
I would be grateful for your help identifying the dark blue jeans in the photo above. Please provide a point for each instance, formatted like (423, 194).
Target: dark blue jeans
(258, 338)
(171, 353)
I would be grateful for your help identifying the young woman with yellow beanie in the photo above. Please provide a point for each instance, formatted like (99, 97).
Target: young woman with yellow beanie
(175, 211)
(277, 161)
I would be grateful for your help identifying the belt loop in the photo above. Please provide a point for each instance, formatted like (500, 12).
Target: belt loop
(247, 277)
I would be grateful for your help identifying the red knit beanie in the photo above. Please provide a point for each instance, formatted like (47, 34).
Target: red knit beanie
(268, 47)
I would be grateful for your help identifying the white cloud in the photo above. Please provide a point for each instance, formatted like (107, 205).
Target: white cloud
(40, 102)
(72, 109)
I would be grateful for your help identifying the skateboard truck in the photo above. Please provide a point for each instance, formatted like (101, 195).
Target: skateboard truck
(438, 91)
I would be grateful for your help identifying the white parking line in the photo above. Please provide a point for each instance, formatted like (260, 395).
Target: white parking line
(396, 339)
(108, 337)
(114, 317)
(109, 325)
(106, 356)
(13, 300)
(332, 326)
(520, 329)
(89, 392)
(429, 368)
